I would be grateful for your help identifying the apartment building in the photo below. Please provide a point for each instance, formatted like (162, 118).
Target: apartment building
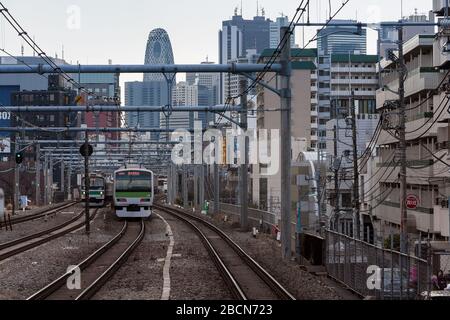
(427, 121)
(266, 186)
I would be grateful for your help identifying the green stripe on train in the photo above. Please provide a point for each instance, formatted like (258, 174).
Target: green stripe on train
(94, 193)
(133, 194)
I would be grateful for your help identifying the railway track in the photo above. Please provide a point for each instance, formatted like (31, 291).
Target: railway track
(26, 243)
(41, 214)
(246, 279)
(97, 268)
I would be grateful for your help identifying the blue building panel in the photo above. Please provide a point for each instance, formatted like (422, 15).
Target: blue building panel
(5, 100)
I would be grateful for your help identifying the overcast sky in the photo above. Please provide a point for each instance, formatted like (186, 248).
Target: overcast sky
(118, 30)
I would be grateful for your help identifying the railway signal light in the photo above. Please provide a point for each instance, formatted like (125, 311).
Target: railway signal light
(19, 157)
(89, 149)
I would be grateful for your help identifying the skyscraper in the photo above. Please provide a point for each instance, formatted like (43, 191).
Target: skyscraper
(153, 91)
(147, 93)
(275, 27)
(239, 35)
(342, 40)
(159, 51)
(389, 34)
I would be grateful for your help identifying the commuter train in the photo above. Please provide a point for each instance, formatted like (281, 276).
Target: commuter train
(133, 193)
(97, 190)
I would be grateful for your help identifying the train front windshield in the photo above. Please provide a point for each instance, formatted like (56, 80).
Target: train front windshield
(95, 184)
(134, 181)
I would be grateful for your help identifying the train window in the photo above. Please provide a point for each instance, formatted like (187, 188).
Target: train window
(134, 181)
(95, 183)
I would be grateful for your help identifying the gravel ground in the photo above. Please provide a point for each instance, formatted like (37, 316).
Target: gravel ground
(193, 274)
(141, 277)
(267, 251)
(23, 275)
(30, 227)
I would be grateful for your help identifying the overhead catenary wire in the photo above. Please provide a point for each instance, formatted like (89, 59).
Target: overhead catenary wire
(429, 119)
(281, 45)
(36, 48)
(435, 157)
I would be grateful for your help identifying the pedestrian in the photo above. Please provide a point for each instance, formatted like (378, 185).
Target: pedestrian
(441, 281)
(434, 282)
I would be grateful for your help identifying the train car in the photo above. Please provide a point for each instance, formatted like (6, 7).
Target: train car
(97, 190)
(162, 185)
(133, 193)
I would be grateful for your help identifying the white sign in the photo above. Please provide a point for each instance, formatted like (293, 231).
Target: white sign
(2, 203)
(5, 145)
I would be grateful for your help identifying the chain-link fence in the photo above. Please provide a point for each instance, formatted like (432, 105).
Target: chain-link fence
(372, 271)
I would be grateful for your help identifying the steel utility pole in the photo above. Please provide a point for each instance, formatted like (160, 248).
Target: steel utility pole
(336, 180)
(16, 189)
(38, 175)
(50, 184)
(286, 150)
(216, 179)
(69, 182)
(402, 146)
(86, 181)
(185, 187)
(62, 178)
(45, 171)
(243, 181)
(356, 201)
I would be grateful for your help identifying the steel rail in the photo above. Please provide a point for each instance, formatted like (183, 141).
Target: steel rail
(90, 291)
(256, 267)
(228, 277)
(58, 283)
(43, 239)
(41, 213)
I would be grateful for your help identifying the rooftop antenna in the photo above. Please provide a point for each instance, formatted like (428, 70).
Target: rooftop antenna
(236, 11)
(401, 9)
(241, 7)
(257, 8)
(263, 12)
(22, 49)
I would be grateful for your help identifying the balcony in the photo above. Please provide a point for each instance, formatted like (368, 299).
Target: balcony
(355, 70)
(441, 220)
(420, 79)
(420, 219)
(354, 81)
(440, 58)
(349, 93)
